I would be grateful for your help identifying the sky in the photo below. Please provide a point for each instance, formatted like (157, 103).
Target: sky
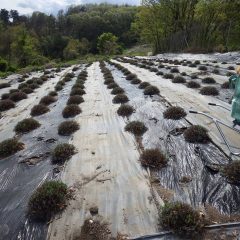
(52, 6)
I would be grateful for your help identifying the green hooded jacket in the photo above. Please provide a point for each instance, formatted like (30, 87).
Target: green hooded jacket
(235, 84)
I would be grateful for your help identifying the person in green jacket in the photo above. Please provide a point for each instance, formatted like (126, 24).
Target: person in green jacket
(235, 84)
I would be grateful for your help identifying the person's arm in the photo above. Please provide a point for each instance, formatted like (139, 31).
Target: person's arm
(232, 81)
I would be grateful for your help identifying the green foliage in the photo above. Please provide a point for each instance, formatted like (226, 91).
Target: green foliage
(3, 65)
(108, 44)
(9, 147)
(47, 200)
(195, 26)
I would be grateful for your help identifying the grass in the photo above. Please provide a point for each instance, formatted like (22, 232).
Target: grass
(196, 134)
(77, 91)
(62, 153)
(137, 128)
(67, 128)
(143, 85)
(151, 90)
(17, 96)
(125, 110)
(174, 113)
(117, 90)
(193, 84)
(76, 99)
(208, 80)
(120, 98)
(232, 172)
(153, 158)
(47, 200)
(47, 100)
(181, 218)
(27, 125)
(209, 91)
(179, 79)
(71, 110)
(39, 109)
(9, 147)
(6, 105)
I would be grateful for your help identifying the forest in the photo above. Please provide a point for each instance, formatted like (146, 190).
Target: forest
(166, 25)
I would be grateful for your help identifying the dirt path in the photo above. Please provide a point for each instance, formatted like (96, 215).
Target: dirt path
(178, 94)
(105, 172)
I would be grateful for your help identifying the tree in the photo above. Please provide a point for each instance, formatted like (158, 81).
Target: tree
(71, 51)
(3, 65)
(14, 15)
(4, 16)
(108, 44)
(24, 46)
